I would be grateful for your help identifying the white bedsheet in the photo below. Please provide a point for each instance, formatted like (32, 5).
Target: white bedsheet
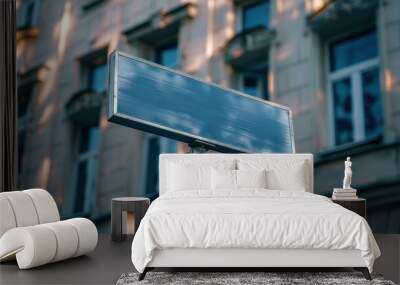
(250, 218)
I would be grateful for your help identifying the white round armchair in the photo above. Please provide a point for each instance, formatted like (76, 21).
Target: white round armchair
(31, 230)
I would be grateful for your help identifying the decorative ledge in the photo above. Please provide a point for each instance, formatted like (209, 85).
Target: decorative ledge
(248, 46)
(243, 2)
(354, 149)
(84, 107)
(161, 24)
(33, 75)
(92, 4)
(330, 17)
(27, 32)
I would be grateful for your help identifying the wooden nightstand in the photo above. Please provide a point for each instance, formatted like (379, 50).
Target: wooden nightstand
(126, 214)
(358, 206)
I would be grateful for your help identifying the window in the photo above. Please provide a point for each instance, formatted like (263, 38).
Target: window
(254, 84)
(27, 14)
(255, 15)
(24, 107)
(167, 55)
(85, 168)
(153, 152)
(97, 76)
(354, 88)
(85, 118)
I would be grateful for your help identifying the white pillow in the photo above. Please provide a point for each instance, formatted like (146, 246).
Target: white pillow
(251, 178)
(282, 174)
(187, 174)
(183, 178)
(223, 179)
(226, 179)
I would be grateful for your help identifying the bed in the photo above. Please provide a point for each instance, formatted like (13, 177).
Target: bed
(247, 210)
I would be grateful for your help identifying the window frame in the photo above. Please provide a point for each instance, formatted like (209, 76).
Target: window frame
(23, 123)
(22, 15)
(92, 64)
(91, 156)
(260, 87)
(354, 72)
(165, 45)
(90, 76)
(89, 61)
(164, 147)
(239, 13)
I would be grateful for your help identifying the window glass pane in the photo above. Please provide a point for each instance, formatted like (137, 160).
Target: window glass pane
(29, 14)
(153, 153)
(80, 186)
(167, 55)
(255, 84)
(97, 81)
(250, 86)
(84, 140)
(372, 103)
(94, 138)
(21, 147)
(88, 139)
(353, 50)
(24, 100)
(343, 111)
(255, 15)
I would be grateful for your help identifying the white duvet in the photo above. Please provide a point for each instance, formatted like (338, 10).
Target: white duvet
(254, 218)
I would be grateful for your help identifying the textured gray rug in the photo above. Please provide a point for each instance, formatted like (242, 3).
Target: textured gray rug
(228, 278)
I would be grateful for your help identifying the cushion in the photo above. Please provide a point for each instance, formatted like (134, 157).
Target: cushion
(26, 208)
(226, 179)
(188, 175)
(251, 178)
(45, 243)
(223, 179)
(183, 178)
(282, 174)
(34, 244)
(23, 208)
(45, 206)
(7, 220)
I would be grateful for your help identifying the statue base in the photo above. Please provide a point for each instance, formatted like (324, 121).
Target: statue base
(344, 190)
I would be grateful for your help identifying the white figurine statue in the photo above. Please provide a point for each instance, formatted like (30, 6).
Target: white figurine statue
(347, 174)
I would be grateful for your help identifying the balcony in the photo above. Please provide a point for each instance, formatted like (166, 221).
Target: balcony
(27, 16)
(26, 32)
(161, 24)
(249, 46)
(330, 17)
(84, 107)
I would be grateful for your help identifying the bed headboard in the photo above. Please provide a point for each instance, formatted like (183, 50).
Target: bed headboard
(206, 158)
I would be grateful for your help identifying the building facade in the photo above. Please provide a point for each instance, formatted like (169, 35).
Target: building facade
(336, 64)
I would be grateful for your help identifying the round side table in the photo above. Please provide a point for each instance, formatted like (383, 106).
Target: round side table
(126, 214)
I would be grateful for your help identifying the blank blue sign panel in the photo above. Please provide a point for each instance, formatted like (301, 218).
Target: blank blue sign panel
(153, 98)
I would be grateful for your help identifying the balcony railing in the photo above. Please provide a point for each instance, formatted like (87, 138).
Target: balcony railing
(84, 107)
(248, 45)
(162, 23)
(330, 17)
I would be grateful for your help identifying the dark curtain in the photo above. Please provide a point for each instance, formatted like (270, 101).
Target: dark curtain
(8, 97)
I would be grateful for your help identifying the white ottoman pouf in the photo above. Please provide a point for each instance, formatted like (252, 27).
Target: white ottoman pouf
(31, 232)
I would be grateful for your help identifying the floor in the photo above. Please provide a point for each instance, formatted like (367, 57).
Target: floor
(103, 266)
(110, 260)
